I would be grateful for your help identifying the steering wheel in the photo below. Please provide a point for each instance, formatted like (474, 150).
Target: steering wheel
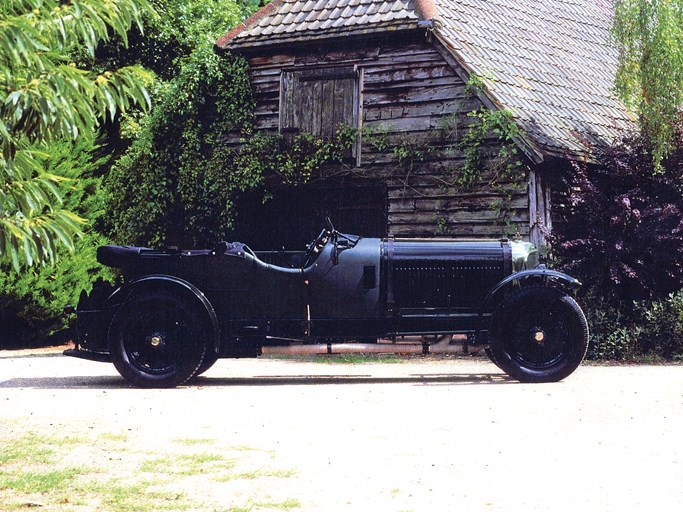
(314, 248)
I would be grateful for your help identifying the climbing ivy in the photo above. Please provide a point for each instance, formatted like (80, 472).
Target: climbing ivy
(486, 142)
(178, 183)
(487, 129)
(174, 184)
(275, 159)
(200, 150)
(506, 165)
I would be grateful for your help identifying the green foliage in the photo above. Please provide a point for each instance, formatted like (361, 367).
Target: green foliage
(405, 150)
(662, 327)
(649, 37)
(643, 329)
(275, 159)
(506, 164)
(499, 168)
(195, 23)
(28, 482)
(175, 177)
(614, 334)
(491, 158)
(38, 294)
(198, 150)
(48, 95)
(166, 40)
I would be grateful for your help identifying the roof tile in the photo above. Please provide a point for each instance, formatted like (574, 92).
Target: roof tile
(549, 62)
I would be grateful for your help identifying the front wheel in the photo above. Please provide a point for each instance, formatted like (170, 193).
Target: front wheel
(539, 335)
(157, 340)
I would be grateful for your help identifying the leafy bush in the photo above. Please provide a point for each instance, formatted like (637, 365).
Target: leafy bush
(177, 183)
(33, 299)
(181, 25)
(626, 232)
(662, 327)
(614, 335)
(650, 328)
(624, 239)
(173, 185)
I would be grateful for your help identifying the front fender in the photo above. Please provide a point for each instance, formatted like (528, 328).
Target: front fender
(543, 275)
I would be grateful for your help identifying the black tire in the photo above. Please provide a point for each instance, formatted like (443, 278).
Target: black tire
(491, 357)
(538, 335)
(157, 340)
(210, 359)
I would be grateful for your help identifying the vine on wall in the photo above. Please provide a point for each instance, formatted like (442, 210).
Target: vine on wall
(178, 183)
(490, 155)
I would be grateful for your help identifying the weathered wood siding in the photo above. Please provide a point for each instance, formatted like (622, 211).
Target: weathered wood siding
(416, 105)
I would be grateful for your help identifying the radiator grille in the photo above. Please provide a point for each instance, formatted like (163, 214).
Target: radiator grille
(443, 285)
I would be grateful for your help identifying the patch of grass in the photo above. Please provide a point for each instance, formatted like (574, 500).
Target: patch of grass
(33, 449)
(34, 473)
(27, 450)
(38, 481)
(28, 469)
(247, 448)
(215, 466)
(258, 473)
(364, 358)
(189, 441)
(187, 465)
(111, 436)
(346, 358)
(119, 496)
(288, 504)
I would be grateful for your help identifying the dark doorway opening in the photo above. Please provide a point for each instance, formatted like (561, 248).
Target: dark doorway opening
(293, 216)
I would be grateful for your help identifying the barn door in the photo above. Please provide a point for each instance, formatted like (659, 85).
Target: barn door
(319, 101)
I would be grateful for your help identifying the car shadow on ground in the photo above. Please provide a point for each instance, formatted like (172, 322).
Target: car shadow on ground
(315, 380)
(114, 382)
(216, 381)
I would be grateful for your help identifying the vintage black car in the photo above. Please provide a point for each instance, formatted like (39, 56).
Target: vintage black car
(178, 311)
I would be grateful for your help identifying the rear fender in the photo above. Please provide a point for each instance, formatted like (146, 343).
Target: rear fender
(174, 285)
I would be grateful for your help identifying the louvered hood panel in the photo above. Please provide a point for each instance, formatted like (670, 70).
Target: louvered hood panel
(446, 274)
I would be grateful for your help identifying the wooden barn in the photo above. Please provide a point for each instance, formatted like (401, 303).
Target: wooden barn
(413, 77)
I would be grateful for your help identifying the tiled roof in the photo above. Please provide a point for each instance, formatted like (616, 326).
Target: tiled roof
(286, 20)
(549, 62)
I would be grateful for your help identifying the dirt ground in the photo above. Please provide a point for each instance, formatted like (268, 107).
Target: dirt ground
(424, 434)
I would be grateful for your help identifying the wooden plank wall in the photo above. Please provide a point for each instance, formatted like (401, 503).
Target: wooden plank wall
(412, 99)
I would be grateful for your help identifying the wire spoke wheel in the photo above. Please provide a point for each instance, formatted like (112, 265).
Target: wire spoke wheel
(157, 340)
(539, 335)
(538, 339)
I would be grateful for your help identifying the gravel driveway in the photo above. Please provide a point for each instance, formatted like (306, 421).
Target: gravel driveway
(424, 434)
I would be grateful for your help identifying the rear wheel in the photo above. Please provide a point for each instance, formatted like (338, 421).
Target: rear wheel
(157, 340)
(539, 335)
(210, 359)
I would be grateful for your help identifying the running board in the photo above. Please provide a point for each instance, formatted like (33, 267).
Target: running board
(90, 356)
